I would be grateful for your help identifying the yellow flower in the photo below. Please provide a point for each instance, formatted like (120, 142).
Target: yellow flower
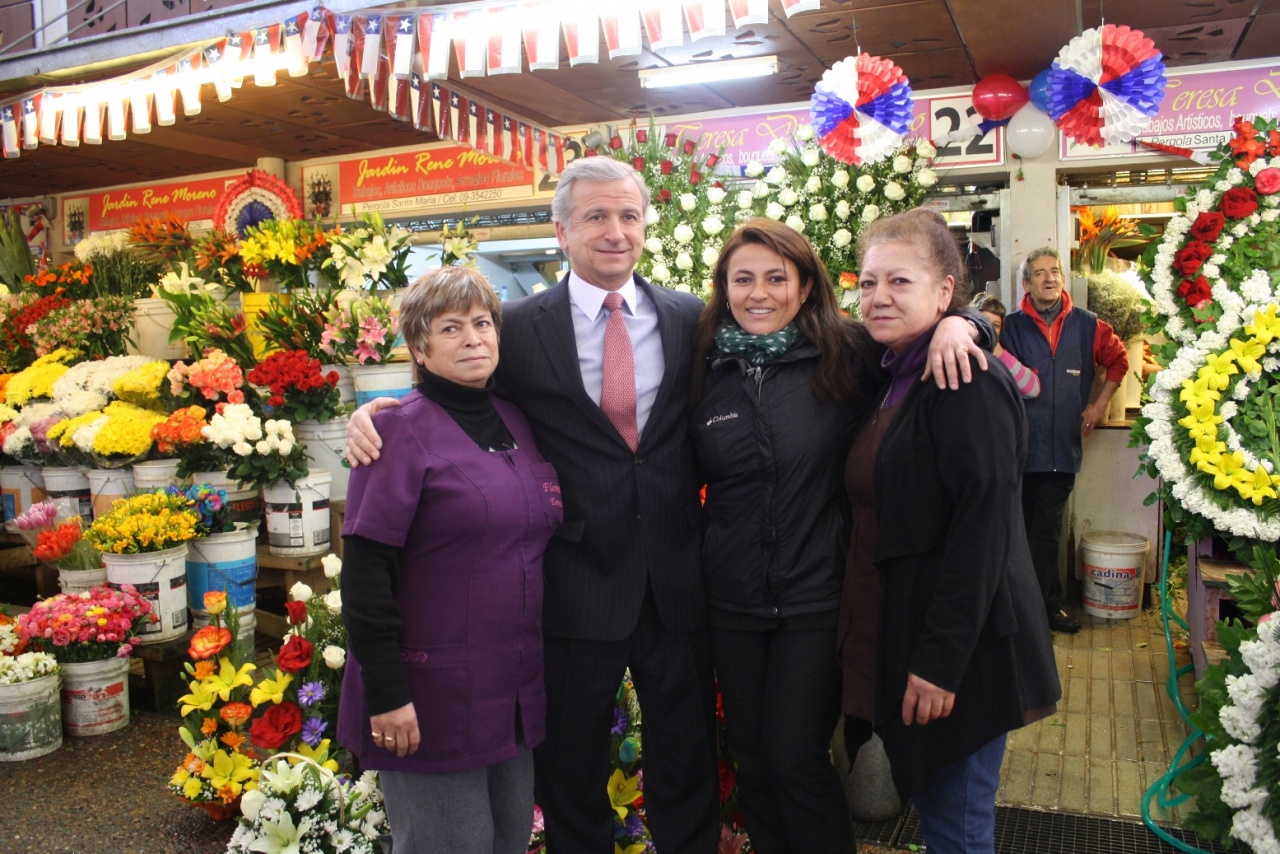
(1247, 354)
(33, 383)
(7, 413)
(142, 386)
(201, 697)
(1224, 469)
(1198, 391)
(229, 769)
(192, 788)
(623, 791)
(228, 678)
(127, 431)
(1265, 326)
(1218, 370)
(319, 755)
(633, 848)
(1257, 488)
(270, 689)
(180, 776)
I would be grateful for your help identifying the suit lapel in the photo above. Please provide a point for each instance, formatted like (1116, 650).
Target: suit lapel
(674, 346)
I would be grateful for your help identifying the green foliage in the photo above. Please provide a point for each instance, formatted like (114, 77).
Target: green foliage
(16, 261)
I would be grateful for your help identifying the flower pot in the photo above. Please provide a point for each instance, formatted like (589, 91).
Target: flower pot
(153, 320)
(68, 488)
(223, 562)
(326, 445)
(298, 519)
(107, 485)
(393, 379)
(81, 580)
(244, 505)
(20, 487)
(95, 696)
(30, 719)
(217, 810)
(155, 474)
(161, 578)
(346, 387)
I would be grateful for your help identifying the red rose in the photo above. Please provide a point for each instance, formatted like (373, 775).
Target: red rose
(332, 378)
(1267, 181)
(1238, 202)
(297, 612)
(280, 723)
(1195, 291)
(642, 136)
(665, 167)
(295, 655)
(670, 140)
(638, 163)
(712, 160)
(695, 178)
(689, 146)
(1188, 259)
(1208, 225)
(664, 195)
(590, 152)
(615, 143)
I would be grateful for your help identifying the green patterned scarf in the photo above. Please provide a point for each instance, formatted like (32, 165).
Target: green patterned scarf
(756, 349)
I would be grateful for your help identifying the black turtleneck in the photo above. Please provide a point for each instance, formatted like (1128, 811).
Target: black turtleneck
(472, 409)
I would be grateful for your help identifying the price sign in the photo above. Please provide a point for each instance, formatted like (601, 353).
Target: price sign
(950, 114)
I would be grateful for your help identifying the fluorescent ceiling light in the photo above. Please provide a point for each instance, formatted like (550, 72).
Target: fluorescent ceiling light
(708, 72)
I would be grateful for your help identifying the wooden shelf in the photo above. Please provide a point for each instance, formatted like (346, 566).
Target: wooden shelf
(1214, 573)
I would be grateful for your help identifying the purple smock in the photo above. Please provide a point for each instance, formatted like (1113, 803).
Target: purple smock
(471, 526)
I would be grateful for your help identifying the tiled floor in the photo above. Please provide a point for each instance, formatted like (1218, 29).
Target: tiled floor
(1116, 729)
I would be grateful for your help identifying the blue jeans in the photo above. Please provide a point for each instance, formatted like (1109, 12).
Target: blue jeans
(957, 805)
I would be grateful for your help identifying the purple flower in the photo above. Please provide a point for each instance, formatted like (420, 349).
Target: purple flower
(310, 693)
(619, 721)
(312, 730)
(634, 826)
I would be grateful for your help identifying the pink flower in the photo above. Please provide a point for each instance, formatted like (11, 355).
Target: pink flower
(372, 332)
(364, 353)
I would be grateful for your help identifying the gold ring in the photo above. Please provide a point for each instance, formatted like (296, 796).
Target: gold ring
(960, 351)
(376, 734)
(388, 738)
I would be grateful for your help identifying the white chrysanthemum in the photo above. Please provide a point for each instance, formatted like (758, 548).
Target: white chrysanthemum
(1239, 725)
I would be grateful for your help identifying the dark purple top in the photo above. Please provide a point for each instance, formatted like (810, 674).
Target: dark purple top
(471, 526)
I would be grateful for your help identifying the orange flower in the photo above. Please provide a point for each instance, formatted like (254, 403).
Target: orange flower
(233, 740)
(205, 669)
(215, 602)
(228, 794)
(208, 727)
(235, 714)
(208, 642)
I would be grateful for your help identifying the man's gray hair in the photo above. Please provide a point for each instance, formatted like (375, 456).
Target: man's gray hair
(1024, 269)
(594, 170)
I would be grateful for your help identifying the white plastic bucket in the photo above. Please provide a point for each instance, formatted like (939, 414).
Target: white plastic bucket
(20, 487)
(106, 486)
(161, 577)
(226, 562)
(152, 321)
(1113, 564)
(30, 719)
(244, 505)
(326, 445)
(68, 489)
(346, 386)
(245, 639)
(155, 474)
(81, 580)
(298, 519)
(95, 696)
(386, 380)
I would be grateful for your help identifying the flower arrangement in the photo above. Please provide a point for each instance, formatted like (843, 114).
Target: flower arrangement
(214, 378)
(458, 248)
(691, 212)
(371, 255)
(306, 807)
(18, 313)
(98, 327)
(201, 319)
(298, 390)
(181, 436)
(27, 667)
(60, 544)
(146, 522)
(317, 617)
(1099, 235)
(162, 242)
(368, 326)
(298, 322)
(93, 626)
(36, 382)
(117, 267)
(217, 253)
(72, 280)
(626, 781)
(288, 250)
(90, 385)
(830, 202)
(10, 643)
(263, 453)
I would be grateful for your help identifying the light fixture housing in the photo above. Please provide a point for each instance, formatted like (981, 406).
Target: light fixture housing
(708, 72)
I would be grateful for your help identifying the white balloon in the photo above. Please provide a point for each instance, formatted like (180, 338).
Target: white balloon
(1030, 132)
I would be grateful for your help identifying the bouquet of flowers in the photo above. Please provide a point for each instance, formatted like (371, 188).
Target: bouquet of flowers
(93, 626)
(1099, 235)
(305, 807)
(146, 522)
(72, 280)
(209, 504)
(371, 255)
(89, 386)
(143, 386)
(114, 437)
(368, 327)
(298, 390)
(831, 202)
(61, 544)
(98, 327)
(214, 378)
(263, 452)
(298, 321)
(36, 382)
(18, 313)
(317, 618)
(202, 320)
(458, 248)
(162, 242)
(26, 434)
(26, 666)
(10, 643)
(181, 436)
(117, 267)
(626, 783)
(288, 250)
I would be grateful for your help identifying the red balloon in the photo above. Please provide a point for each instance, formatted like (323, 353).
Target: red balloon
(998, 96)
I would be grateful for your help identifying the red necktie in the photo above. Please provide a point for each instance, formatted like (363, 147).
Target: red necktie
(618, 385)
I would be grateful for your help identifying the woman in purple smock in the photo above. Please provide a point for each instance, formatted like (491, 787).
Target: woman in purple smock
(442, 594)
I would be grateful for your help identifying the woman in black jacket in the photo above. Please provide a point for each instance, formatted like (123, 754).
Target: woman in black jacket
(781, 381)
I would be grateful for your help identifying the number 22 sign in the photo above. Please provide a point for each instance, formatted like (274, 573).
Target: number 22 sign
(950, 114)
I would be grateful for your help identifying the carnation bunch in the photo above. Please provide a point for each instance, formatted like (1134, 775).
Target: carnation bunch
(370, 256)
(93, 626)
(298, 390)
(146, 522)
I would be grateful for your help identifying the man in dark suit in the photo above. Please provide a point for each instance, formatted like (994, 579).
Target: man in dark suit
(623, 580)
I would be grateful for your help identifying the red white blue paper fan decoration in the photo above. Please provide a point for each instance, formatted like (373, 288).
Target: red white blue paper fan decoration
(255, 198)
(1105, 85)
(861, 109)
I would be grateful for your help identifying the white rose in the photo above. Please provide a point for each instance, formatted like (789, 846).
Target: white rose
(285, 448)
(893, 191)
(716, 195)
(924, 148)
(775, 211)
(870, 213)
(744, 199)
(688, 201)
(682, 288)
(865, 183)
(842, 238)
(300, 592)
(713, 225)
(660, 273)
(683, 233)
(754, 169)
(684, 262)
(842, 209)
(818, 212)
(334, 657)
(804, 133)
(778, 145)
(901, 163)
(263, 447)
(242, 449)
(653, 245)
(333, 601)
(809, 157)
(926, 177)
(776, 175)
(788, 197)
(651, 215)
(709, 255)
(840, 179)
(759, 189)
(795, 223)
(813, 185)
(332, 565)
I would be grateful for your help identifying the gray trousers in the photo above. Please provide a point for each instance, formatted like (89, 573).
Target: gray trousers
(486, 811)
